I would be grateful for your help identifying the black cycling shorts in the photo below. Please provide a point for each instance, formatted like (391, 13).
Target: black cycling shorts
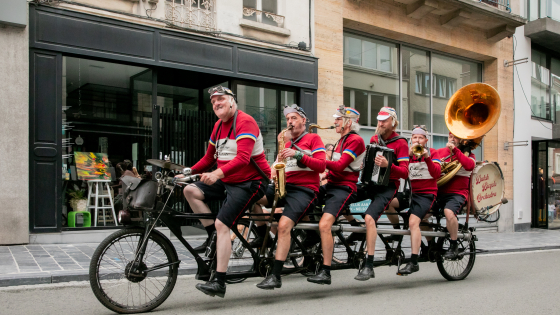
(238, 197)
(297, 202)
(335, 198)
(381, 197)
(421, 204)
(453, 202)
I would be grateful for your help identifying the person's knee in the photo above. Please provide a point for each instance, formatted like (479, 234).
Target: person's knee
(192, 192)
(414, 222)
(325, 226)
(370, 221)
(284, 228)
(221, 227)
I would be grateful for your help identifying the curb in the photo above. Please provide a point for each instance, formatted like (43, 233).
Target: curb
(48, 278)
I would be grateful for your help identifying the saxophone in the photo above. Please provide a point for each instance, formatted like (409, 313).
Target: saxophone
(280, 167)
(311, 126)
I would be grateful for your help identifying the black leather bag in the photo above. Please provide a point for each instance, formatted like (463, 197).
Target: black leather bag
(138, 194)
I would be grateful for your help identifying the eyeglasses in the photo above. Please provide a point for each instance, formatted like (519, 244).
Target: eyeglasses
(220, 89)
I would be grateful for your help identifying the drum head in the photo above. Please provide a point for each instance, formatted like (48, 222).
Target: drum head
(487, 187)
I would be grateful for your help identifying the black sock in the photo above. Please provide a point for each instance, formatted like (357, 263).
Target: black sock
(221, 277)
(261, 230)
(327, 269)
(453, 243)
(210, 229)
(414, 259)
(355, 222)
(369, 261)
(277, 269)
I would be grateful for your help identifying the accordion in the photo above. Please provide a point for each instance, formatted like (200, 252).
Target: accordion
(373, 174)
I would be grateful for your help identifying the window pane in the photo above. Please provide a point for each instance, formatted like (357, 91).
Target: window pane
(353, 51)
(369, 53)
(261, 103)
(253, 5)
(272, 7)
(368, 90)
(555, 9)
(109, 106)
(459, 73)
(540, 80)
(385, 58)
(416, 88)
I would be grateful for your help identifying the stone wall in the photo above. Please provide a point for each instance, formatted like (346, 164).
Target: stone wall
(14, 142)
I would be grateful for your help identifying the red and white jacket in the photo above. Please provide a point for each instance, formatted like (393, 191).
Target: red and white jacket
(234, 152)
(313, 160)
(344, 169)
(424, 173)
(459, 184)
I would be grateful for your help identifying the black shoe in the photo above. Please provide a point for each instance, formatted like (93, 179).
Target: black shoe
(212, 288)
(365, 274)
(355, 237)
(256, 242)
(270, 283)
(202, 247)
(321, 278)
(408, 269)
(452, 252)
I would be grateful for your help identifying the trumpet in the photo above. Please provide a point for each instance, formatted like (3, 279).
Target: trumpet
(311, 126)
(417, 150)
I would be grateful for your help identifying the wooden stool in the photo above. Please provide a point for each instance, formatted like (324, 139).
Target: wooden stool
(99, 203)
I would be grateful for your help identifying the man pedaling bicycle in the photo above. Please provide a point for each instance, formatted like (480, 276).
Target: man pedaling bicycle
(305, 160)
(236, 144)
(340, 191)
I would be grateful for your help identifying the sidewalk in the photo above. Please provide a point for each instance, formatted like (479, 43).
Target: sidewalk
(55, 263)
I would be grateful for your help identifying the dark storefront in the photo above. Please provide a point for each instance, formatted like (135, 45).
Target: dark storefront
(546, 185)
(133, 92)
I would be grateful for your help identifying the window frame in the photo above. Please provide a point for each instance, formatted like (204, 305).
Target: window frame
(431, 52)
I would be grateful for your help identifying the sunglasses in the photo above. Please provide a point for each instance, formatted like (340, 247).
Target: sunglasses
(220, 89)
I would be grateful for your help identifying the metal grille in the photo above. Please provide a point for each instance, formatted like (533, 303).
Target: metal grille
(196, 14)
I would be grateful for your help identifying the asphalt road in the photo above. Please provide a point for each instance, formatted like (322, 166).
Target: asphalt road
(516, 283)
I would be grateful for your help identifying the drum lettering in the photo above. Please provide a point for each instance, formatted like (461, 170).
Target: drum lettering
(482, 178)
(481, 197)
(487, 186)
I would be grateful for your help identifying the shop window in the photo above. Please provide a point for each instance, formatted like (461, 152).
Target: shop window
(106, 110)
(369, 53)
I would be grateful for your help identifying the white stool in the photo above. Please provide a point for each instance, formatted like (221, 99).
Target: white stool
(99, 203)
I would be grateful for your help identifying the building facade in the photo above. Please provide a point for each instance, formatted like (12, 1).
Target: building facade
(413, 55)
(536, 129)
(127, 80)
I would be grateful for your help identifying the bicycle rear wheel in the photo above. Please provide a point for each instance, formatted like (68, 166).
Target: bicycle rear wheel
(460, 267)
(122, 291)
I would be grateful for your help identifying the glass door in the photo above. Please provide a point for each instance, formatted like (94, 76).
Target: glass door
(539, 185)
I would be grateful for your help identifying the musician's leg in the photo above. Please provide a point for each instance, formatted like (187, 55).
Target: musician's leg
(327, 242)
(452, 223)
(415, 236)
(392, 213)
(195, 198)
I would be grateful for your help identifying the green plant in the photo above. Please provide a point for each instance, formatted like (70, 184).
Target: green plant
(76, 193)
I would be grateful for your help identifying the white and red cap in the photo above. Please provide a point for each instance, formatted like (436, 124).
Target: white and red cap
(386, 112)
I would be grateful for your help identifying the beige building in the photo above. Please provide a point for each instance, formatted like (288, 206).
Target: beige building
(413, 55)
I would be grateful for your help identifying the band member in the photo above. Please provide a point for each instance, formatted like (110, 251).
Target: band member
(381, 196)
(236, 144)
(305, 160)
(423, 173)
(340, 190)
(453, 195)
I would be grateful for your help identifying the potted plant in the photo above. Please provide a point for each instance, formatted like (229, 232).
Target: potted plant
(79, 198)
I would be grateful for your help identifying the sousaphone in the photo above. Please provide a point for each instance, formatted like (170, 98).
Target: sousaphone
(470, 113)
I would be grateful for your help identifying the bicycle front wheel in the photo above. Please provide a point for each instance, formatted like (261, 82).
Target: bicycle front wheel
(123, 291)
(460, 267)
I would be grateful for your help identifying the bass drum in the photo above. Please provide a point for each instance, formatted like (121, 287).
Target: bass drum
(487, 188)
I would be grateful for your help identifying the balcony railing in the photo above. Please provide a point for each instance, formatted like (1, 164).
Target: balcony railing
(263, 17)
(500, 4)
(195, 14)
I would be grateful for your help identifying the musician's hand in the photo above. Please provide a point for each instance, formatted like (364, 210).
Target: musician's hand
(209, 178)
(381, 161)
(323, 176)
(410, 153)
(286, 153)
(179, 176)
(426, 153)
(450, 145)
